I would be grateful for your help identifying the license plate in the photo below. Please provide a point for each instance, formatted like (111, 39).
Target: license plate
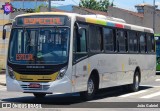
(34, 85)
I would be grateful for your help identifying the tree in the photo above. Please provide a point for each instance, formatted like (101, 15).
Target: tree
(101, 5)
(37, 9)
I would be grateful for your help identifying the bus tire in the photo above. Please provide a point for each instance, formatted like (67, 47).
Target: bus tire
(39, 95)
(91, 89)
(136, 81)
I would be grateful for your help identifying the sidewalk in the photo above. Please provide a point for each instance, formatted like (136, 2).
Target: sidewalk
(3, 79)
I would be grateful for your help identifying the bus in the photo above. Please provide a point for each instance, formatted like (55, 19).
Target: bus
(157, 40)
(61, 53)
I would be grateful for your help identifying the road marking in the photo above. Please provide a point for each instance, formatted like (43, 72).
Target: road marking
(157, 80)
(151, 95)
(1, 89)
(131, 94)
(150, 86)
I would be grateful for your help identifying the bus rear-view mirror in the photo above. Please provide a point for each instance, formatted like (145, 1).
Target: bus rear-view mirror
(4, 34)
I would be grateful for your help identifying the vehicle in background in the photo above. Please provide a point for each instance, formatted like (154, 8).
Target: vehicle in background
(157, 40)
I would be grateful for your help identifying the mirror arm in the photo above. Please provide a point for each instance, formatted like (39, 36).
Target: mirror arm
(77, 25)
(6, 24)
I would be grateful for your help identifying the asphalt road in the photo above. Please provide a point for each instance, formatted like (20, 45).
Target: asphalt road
(110, 98)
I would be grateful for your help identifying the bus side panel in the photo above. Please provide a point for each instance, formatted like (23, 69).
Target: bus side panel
(112, 69)
(80, 75)
(148, 69)
(118, 69)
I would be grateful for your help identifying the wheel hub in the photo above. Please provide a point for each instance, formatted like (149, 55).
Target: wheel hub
(90, 86)
(136, 82)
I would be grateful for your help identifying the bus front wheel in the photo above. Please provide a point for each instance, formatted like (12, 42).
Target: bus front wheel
(91, 89)
(39, 95)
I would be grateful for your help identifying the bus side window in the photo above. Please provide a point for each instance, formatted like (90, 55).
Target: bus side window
(149, 43)
(100, 34)
(126, 40)
(115, 40)
(153, 43)
(82, 45)
(133, 42)
(146, 44)
(75, 33)
(108, 39)
(142, 43)
(95, 39)
(121, 45)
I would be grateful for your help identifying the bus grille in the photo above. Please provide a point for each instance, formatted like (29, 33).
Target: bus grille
(43, 87)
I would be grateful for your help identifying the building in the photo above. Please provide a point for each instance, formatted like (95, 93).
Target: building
(86, 11)
(27, 4)
(143, 16)
(3, 43)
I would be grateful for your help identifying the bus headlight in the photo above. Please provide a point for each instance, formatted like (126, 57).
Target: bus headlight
(11, 73)
(61, 73)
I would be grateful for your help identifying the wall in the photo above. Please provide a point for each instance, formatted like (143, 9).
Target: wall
(80, 11)
(128, 17)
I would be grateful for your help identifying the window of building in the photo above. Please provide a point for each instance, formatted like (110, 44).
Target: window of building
(108, 39)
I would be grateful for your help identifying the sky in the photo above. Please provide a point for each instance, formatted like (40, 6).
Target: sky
(125, 4)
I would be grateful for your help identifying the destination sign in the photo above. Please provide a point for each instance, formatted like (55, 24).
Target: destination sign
(24, 57)
(41, 20)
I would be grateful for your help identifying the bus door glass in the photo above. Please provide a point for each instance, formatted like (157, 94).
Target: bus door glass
(80, 56)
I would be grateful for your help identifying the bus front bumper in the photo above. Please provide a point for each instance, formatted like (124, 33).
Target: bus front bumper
(61, 86)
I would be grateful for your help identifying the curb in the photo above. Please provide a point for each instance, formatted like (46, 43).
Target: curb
(3, 84)
(2, 72)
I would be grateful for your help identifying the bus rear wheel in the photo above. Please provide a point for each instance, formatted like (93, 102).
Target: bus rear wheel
(39, 95)
(136, 81)
(91, 89)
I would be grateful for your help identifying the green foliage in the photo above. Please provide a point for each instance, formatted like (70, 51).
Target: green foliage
(37, 9)
(101, 5)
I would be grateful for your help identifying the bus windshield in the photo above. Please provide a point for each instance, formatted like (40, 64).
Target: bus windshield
(44, 45)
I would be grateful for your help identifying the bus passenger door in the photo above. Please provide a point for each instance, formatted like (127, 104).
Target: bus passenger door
(80, 58)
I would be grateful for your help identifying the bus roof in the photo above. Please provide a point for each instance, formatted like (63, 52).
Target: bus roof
(105, 21)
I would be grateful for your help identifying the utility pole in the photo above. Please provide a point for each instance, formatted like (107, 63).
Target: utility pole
(49, 5)
(23, 4)
(36, 3)
(154, 12)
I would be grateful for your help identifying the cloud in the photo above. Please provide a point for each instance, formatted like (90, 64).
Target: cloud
(158, 3)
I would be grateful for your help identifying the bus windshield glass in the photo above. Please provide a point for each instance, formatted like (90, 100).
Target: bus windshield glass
(44, 45)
